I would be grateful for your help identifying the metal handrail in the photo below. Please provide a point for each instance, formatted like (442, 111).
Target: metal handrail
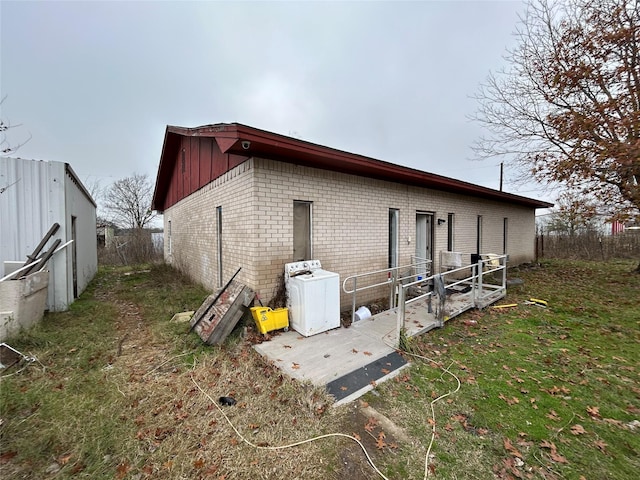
(476, 280)
(376, 272)
(392, 280)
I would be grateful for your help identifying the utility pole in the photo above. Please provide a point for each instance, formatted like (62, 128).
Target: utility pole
(501, 174)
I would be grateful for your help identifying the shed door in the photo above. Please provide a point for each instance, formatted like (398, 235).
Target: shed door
(424, 239)
(74, 257)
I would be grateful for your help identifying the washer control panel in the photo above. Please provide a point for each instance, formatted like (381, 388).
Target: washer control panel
(304, 266)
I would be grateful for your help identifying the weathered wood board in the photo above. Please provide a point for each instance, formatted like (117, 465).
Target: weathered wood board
(216, 321)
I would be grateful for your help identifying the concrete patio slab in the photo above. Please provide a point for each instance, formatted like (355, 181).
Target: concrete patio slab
(350, 361)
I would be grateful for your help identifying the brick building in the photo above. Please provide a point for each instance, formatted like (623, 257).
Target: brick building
(236, 196)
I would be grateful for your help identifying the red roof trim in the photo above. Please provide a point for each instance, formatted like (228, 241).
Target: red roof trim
(233, 138)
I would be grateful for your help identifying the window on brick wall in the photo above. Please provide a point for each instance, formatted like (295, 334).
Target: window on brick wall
(479, 235)
(169, 237)
(451, 218)
(302, 241)
(394, 217)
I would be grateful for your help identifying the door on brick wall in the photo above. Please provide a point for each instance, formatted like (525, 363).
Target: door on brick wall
(301, 231)
(424, 240)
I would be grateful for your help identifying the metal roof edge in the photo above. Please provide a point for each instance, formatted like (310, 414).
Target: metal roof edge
(78, 182)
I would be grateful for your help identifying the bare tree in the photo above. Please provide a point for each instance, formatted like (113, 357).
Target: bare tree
(573, 213)
(567, 108)
(94, 187)
(128, 201)
(6, 147)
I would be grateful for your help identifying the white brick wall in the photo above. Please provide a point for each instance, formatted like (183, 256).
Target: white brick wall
(350, 223)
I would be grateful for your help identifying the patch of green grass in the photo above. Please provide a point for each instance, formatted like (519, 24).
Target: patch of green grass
(60, 414)
(549, 393)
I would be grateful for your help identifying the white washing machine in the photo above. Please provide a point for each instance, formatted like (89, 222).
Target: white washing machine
(313, 297)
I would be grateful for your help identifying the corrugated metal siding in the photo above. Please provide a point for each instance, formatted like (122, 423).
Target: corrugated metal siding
(27, 206)
(38, 194)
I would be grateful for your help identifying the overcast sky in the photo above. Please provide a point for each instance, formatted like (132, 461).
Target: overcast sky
(95, 83)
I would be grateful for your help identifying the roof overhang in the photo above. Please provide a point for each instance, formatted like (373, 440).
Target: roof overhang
(235, 138)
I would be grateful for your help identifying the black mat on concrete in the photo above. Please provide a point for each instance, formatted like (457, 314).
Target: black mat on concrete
(352, 382)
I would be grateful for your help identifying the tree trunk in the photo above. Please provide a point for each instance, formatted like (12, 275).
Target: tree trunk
(637, 270)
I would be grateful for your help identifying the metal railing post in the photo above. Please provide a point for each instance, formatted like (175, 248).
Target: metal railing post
(400, 314)
(392, 293)
(480, 281)
(474, 284)
(353, 301)
(504, 272)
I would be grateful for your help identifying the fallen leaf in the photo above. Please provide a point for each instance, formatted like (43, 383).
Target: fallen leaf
(553, 390)
(356, 436)
(600, 445)
(198, 463)
(122, 470)
(385, 371)
(593, 411)
(7, 456)
(508, 446)
(354, 350)
(380, 443)
(612, 421)
(510, 401)
(343, 388)
(371, 424)
(556, 457)
(553, 416)
(295, 366)
(368, 354)
(577, 429)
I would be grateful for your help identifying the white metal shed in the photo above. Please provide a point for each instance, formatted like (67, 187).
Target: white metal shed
(34, 195)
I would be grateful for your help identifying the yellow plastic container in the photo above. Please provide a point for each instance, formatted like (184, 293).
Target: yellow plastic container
(268, 320)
